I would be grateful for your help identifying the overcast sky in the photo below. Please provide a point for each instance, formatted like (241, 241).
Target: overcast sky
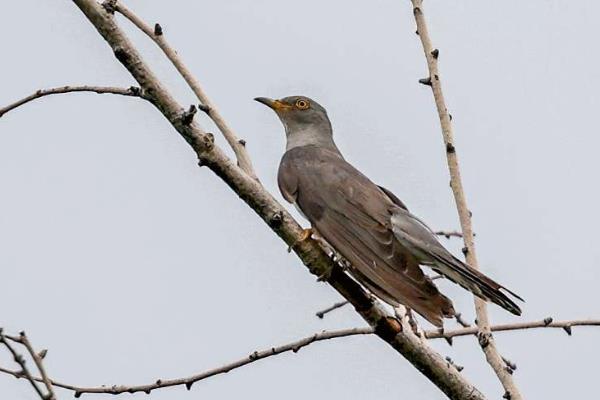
(129, 263)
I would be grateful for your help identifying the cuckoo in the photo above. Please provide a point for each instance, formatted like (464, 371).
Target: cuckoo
(371, 228)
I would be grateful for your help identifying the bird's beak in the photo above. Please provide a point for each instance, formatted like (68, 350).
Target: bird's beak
(276, 105)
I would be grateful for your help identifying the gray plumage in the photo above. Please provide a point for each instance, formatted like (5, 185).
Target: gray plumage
(367, 224)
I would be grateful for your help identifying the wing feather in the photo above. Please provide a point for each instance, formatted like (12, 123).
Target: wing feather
(422, 242)
(353, 215)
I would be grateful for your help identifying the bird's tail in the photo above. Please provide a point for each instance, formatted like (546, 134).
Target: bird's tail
(476, 282)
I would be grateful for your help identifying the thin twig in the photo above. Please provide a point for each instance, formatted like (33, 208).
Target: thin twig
(329, 309)
(460, 320)
(486, 339)
(156, 34)
(24, 372)
(190, 380)
(546, 323)
(132, 91)
(24, 340)
(449, 234)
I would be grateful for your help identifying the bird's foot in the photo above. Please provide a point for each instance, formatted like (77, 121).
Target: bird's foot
(306, 234)
(412, 321)
(406, 317)
(324, 277)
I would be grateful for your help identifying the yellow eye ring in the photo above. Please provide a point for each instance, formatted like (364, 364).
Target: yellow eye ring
(302, 104)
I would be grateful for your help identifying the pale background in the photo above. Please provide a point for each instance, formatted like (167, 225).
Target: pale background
(131, 264)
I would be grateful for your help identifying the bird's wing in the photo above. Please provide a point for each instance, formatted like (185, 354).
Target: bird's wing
(414, 235)
(353, 215)
(393, 197)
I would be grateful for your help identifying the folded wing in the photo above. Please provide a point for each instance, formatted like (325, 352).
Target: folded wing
(354, 216)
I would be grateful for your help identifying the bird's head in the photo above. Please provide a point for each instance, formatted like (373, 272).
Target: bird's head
(298, 112)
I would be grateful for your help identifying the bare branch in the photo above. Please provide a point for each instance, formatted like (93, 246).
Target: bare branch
(460, 320)
(24, 372)
(486, 341)
(294, 346)
(38, 359)
(190, 380)
(386, 326)
(157, 35)
(449, 234)
(132, 91)
(329, 309)
(545, 323)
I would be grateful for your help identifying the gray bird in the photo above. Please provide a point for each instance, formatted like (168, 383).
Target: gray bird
(367, 224)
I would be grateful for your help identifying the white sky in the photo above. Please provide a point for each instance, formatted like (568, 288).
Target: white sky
(131, 264)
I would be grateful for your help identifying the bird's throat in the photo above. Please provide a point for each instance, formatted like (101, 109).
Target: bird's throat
(309, 136)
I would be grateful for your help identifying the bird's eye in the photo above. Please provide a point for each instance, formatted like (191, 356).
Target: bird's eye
(302, 104)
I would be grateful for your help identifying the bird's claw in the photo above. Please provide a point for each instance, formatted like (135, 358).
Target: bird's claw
(306, 234)
(324, 277)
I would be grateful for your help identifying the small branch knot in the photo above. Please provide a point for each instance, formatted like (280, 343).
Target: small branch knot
(425, 81)
(548, 321)
(453, 364)
(510, 366)
(435, 53)
(134, 90)
(204, 108)
(203, 144)
(242, 142)
(188, 385)
(188, 116)
(276, 219)
(567, 329)
(121, 55)
(42, 354)
(110, 6)
(158, 31)
(209, 142)
(450, 148)
(484, 339)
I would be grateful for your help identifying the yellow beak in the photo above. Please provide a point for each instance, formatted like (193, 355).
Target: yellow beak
(276, 105)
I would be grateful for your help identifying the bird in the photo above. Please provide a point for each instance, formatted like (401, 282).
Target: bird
(370, 227)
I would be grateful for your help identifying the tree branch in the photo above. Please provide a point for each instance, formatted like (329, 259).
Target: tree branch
(294, 346)
(206, 105)
(449, 234)
(24, 372)
(385, 325)
(329, 309)
(132, 91)
(38, 359)
(545, 323)
(190, 380)
(486, 339)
